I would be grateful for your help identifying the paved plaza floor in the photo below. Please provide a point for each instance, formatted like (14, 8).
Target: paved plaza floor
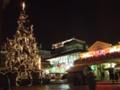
(105, 85)
(66, 87)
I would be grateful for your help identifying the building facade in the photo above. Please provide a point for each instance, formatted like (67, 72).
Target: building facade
(102, 58)
(65, 53)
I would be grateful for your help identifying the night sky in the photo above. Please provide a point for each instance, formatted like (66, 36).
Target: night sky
(57, 20)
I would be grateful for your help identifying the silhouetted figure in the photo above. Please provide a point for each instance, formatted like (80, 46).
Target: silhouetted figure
(91, 80)
(1, 80)
(70, 78)
(76, 79)
(116, 76)
(102, 75)
(12, 78)
(6, 81)
(35, 78)
(23, 79)
(111, 74)
(83, 78)
(9, 79)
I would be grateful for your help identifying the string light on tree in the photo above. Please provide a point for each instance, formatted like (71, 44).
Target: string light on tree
(22, 51)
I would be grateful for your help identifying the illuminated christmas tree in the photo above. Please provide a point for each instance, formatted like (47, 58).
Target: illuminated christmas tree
(22, 51)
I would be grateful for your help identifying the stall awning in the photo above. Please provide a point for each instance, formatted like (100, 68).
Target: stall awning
(78, 67)
(117, 66)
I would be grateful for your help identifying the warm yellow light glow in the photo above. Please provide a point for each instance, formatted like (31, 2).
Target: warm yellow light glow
(23, 6)
(114, 49)
(86, 55)
(100, 52)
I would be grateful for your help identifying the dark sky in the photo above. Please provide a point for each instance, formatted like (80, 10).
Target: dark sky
(57, 20)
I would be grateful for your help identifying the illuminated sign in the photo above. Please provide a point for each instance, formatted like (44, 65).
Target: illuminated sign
(100, 52)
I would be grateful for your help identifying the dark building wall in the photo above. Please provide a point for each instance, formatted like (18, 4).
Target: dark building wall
(0, 18)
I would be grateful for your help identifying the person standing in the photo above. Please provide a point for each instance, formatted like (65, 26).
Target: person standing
(112, 75)
(2, 80)
(91, 79)
(102, 75)
(6, 81)
(116, 76)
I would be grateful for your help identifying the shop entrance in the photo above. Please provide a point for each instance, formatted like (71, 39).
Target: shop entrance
(102, 71)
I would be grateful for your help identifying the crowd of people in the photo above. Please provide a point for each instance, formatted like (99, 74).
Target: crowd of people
(7, 79)
(114, 75)
(83, 77)
(87, 77)
(11, 78)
